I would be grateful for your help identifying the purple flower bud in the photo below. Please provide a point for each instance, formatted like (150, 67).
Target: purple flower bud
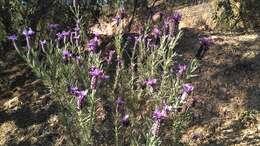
(93, 43)
(78, 58)
(96, 74)
(181, 69)
(28, 32)
(12, 37)
(159, 115)
(66, 54)
(176, 17)
(59, 35)
(167, 108)
(73, 90)
(53, 26)
(120, 101)
(206, 42)
(66, 33)
(125, 120)
(166, 26)
(81, 98)
(43, 42)
(156, 32)
(188, 87)
(150, 82)
(117, 19)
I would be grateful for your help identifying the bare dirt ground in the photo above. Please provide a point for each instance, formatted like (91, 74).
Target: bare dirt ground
(228, 86)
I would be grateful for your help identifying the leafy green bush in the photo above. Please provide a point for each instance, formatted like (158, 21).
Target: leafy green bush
(134, 93)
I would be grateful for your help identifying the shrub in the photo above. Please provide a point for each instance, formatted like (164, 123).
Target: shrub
(132, 94)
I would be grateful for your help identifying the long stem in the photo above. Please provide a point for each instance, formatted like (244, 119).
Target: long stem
(117, 128)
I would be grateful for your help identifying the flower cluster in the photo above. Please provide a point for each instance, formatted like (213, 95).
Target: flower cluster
(96, 75)
(187, 89)
(176, 17)
(80, 94)
(28, 32)
(67, 55)
(12, 37)
(93, 43)
(53, 26)
(159, 116)
(156, 32)
(150, 82)
(206, 42)
(181, 69)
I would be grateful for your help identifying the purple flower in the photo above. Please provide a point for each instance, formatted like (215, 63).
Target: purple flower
(80, 94)
(28, 32)
(73, 90)
(53, 26)
(159, 115)
(93, 43)
(166, 26)
(78, 58)
(59, 35)
(181, 69)
(120, 101)
(81, 98)
(167, 108)
(156, 32)
(206, 42)
(125, 120)
(66, 33)
(12, 37)
(121, 14)
(118, 19)
(188, 87)
(66, 54)
(96, 74)
(43, 42)
(176, 17)
(150, 82)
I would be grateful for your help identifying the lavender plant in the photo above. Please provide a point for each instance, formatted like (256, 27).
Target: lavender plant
(146, 87)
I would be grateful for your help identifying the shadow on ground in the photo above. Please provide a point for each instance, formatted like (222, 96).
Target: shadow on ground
(24, 105)
(229, 86)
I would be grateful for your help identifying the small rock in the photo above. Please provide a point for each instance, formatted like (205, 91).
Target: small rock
(53, 120)
(12, 103)
(157, 17)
